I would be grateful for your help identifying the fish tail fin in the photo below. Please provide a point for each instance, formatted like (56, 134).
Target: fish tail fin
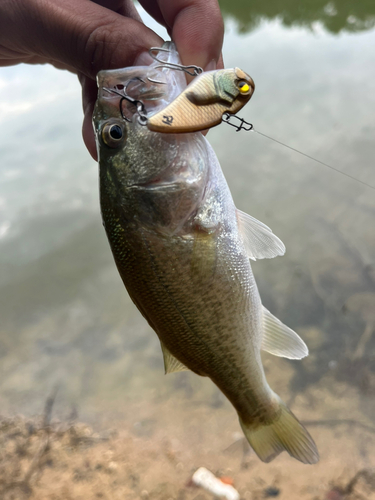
(285, 433)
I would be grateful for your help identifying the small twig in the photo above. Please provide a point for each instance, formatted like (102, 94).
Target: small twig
(363, 341)
(47, 414)
(365, 473)
(48, 407)
(35, 461)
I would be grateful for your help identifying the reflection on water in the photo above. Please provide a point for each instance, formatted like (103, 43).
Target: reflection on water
(66, 318)
(335, 16)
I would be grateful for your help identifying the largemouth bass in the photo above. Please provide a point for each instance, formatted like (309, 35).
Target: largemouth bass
(183, 249)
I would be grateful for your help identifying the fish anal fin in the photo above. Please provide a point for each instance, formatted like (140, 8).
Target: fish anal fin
(171, 364)
(284, 433)
(259, 240)
(280, 340)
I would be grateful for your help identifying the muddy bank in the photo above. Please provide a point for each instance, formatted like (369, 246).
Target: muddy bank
(151, 455)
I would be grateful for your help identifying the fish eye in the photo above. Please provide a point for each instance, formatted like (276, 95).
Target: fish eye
(243, 87)
(113, 134)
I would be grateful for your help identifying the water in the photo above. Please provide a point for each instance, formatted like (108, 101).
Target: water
(66, 318)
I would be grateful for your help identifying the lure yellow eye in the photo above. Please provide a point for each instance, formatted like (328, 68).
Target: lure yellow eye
(113, 134)
(243, 87)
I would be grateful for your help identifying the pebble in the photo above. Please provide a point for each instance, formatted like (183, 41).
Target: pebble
(112, 466)
(271, 492)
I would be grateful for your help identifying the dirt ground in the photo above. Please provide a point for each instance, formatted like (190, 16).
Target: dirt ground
(152, 454)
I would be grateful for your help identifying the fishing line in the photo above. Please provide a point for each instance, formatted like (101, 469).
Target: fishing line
(318, 161)
(244, 125)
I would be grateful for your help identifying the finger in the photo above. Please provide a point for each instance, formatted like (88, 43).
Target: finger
(94, 38)
(89, 88)
(196, 27)
(89, 94)
(114, 5)
(124, 7)
(220, 63)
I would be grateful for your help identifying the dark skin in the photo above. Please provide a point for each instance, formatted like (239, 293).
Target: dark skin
(85, 36)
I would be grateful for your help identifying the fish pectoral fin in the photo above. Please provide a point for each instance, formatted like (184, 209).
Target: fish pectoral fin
(171, 364)
(280, 340)
(285, 432)
(259, 240)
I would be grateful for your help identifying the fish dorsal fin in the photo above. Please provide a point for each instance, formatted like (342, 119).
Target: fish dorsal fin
(280, 340)
(259, 240)
(171, 364)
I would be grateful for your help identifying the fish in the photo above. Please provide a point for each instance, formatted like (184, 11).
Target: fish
(183, 251)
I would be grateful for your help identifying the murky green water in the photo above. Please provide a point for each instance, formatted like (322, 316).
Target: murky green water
(66, 318)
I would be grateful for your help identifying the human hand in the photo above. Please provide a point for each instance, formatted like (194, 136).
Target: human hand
(85, 36)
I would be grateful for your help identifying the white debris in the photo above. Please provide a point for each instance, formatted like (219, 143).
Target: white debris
(204, 478)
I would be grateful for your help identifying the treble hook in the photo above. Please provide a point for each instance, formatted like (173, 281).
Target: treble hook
(141, 110)
(196, 70)
(152, 80)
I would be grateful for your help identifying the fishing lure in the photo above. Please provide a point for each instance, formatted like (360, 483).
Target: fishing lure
(204, 102)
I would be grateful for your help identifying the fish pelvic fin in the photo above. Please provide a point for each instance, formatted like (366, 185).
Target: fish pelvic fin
(171, 364)
(280, 340)
(284, 433)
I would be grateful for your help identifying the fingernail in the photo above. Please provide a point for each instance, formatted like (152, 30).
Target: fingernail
(211, 66)
(143, 59)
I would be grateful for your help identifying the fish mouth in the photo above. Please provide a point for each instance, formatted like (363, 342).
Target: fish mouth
(156, 85)
(131, 82)
(156, 186)
(175, 182)
(168, 185)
